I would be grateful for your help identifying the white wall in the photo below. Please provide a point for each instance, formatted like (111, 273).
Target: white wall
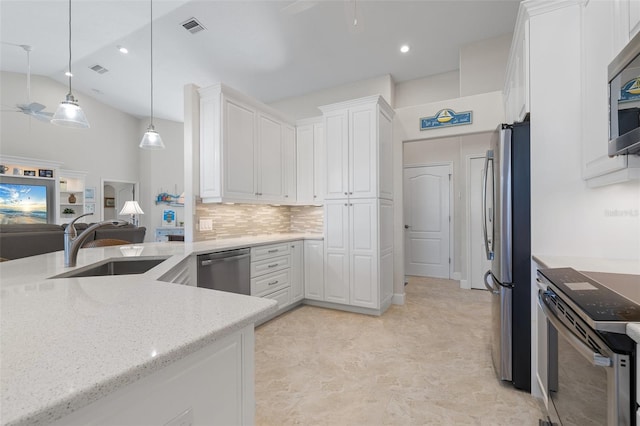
(429, 89)
(108, 149)
(483, 65)
(161, 171)
(306, 106)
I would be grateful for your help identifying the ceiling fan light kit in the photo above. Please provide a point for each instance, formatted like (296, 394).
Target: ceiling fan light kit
(151, 138)
(69, 113)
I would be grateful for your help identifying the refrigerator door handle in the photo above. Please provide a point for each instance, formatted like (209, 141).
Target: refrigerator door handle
(491, 288)
(487, 242)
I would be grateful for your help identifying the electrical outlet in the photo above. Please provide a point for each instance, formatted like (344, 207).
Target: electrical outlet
(183, 419)
(206, 225)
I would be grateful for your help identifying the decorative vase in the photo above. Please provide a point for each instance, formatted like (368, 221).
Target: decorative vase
(72, 198)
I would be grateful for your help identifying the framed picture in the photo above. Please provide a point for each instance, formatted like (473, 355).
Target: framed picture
(168, 218)
(90, 208)
(90, 194)
(109, 202)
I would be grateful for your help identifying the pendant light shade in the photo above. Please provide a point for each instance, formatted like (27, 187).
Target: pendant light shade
(151, 139)
(69, 113)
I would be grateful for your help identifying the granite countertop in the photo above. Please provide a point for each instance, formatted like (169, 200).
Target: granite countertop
(65, 343)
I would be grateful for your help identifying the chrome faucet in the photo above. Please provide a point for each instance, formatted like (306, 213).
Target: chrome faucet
(73, 241)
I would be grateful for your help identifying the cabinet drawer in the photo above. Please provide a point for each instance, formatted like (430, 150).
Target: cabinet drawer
(281, 296)
(270, 283)
(267, 252)
(270, 265)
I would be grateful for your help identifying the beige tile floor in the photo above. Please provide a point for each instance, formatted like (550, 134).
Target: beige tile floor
(424, 363)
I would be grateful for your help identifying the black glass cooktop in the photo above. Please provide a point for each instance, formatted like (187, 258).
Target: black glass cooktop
(597, 301)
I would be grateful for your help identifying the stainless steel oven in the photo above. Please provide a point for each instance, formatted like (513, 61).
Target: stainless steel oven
(590, 362)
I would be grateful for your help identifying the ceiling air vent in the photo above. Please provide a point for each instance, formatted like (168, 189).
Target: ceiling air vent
(99, 69)
(193, 26)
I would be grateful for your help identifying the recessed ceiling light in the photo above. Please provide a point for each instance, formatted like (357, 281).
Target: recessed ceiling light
(404, 48)
(123, 49)
(68, 74)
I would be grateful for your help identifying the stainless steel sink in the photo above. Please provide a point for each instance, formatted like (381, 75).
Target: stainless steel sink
(125, 266)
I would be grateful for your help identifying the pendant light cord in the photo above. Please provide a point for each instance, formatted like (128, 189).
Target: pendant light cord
(151, 118)
(70, 47)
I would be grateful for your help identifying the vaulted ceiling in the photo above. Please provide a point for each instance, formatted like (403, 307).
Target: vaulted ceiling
(269, 49)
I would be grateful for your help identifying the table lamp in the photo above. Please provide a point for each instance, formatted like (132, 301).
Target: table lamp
(132, 208)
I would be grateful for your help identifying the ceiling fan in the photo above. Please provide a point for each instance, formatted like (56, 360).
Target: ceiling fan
(33, 109)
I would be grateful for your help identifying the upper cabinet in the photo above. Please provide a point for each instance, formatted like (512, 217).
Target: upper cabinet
(358, 147)
(516, 89)
(310, 161)
(606, 29)
(597, 31)
(247, 151)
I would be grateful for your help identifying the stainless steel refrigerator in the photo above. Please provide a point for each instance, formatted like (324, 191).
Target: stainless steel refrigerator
(507, 235)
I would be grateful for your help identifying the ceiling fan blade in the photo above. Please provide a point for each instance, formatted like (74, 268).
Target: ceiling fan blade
(35, 107)
(41, 116)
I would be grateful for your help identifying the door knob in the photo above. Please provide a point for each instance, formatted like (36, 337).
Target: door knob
(406, 227)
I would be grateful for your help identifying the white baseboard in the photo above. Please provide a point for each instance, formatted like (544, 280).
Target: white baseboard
(398, 299)
(465, 284)
(455, 276)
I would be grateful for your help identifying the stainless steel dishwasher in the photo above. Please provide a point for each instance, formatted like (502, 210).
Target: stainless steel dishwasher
(226, 271)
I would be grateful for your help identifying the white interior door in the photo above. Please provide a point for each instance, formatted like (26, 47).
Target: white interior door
(478, 257)
(427, 219)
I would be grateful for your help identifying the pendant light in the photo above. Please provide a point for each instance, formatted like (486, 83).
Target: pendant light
(69, 114)
(151, 138)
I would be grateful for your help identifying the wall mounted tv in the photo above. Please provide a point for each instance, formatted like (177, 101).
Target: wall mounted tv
(24, 200)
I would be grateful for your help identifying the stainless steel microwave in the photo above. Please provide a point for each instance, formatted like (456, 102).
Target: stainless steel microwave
(624, 101)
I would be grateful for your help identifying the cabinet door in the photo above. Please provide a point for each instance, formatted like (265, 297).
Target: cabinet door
(363, 254)
(336, 220)
(319, 164)
(305, 164)
(597, 52)
(270, 160)
(363, 152)
(239, 141)
(297, 272)
(314, 270)
(337, 155)
(289, 160)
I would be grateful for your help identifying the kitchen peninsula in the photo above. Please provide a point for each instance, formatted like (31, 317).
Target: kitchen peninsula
(128, 348)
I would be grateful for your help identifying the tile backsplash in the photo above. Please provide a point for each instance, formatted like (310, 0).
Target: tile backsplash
(235, 220)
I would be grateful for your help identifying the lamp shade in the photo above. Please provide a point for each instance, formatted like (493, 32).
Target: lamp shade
(151, 139)
(131, 207)
(69, 114)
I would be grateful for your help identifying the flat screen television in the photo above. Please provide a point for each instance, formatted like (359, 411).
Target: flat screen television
(26, 200)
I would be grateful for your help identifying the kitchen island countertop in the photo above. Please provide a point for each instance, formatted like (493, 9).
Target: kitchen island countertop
(65, 343)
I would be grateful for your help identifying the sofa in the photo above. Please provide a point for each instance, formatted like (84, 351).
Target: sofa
(23, 240)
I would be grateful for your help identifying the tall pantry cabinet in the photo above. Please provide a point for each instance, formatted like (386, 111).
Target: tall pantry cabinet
(358, 212)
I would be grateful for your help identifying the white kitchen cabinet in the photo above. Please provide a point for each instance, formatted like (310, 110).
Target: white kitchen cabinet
(634, 17)
(310, 161)
(599, 46)
(214, 385)
(516, 89)
(244, 148)
(270, 183)
(314, 269)
(358, 149)
(289, 159)
(359, 252)
(297, 271)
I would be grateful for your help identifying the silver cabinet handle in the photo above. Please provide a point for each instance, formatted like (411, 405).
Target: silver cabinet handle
(273, 265)
(273, 251)
(315, 196)
(346, 193)
(406, 227)
(286, 196)
(273, 282)
(351, 193)
(345, 204)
